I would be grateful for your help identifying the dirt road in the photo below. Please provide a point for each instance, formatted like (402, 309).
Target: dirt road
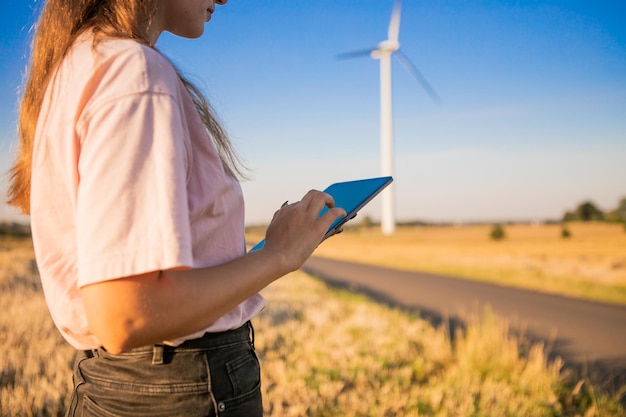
(588, 334)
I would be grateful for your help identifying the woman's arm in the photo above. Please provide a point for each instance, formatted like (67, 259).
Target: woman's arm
(162, 305)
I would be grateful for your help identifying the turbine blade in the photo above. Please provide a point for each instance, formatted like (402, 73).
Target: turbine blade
(415, 72)
(356, 54)
(394, 24)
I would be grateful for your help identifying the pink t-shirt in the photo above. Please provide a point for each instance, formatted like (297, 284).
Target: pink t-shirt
(126, 181)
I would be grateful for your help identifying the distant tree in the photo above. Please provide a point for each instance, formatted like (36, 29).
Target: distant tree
(569, 216)
(619, 214)
(497, 232)
(585, 212)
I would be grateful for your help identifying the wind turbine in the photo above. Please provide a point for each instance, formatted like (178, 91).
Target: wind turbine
(383, 52)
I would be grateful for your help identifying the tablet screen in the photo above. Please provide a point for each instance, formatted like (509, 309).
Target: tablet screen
(351, 196)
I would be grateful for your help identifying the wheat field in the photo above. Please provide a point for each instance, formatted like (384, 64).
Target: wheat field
(35, 360)
(324, 352)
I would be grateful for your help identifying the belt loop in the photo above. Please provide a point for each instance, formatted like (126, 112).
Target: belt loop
(157, 354)
(251, 334)
(91, 353)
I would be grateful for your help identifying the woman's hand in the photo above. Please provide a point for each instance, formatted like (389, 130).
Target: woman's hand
(297, 229)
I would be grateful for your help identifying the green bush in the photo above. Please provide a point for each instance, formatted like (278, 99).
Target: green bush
(565, 233)
(497, 232)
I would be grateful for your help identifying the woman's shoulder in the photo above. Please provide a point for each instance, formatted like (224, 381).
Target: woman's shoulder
(129, 65)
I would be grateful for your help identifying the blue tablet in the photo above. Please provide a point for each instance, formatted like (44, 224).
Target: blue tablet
(351, 196)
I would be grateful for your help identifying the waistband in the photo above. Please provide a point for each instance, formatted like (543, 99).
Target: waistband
(244, 334)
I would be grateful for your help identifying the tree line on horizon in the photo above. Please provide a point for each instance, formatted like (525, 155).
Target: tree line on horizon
(587, 211)
(14, 229)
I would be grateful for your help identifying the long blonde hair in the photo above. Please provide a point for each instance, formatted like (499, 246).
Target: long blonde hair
(60, 23)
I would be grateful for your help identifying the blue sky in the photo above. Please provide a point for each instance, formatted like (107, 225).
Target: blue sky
(532, 120)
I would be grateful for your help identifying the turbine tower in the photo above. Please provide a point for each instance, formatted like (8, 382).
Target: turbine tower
(383, 52)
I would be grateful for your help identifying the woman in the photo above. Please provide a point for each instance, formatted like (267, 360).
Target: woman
(137, 215)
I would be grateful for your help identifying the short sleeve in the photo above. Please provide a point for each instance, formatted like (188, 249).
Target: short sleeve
(131, 207)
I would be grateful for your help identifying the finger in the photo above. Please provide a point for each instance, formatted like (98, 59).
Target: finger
(333, 214)
(321, 202)
(308, 198)
(315, 199)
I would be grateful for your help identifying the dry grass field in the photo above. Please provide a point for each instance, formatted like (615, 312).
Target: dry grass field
(333, 353)
(324, 352)
(34, 359)
(591, 263)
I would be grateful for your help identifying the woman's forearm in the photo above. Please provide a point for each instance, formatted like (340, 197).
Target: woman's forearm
(163, 305)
